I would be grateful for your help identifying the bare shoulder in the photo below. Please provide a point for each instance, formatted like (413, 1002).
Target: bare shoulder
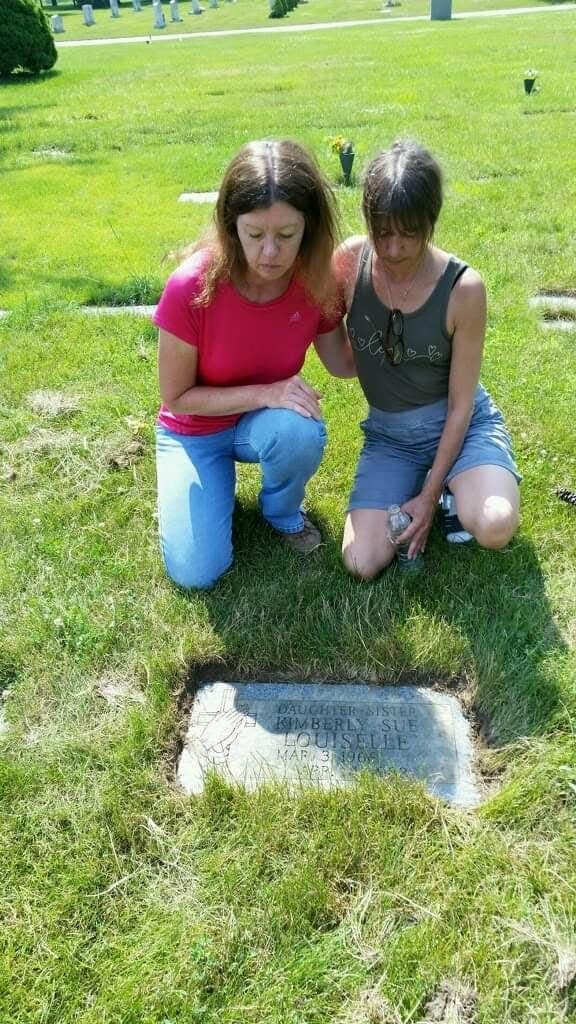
(346, 260)
(347, 255)
(470, 285)
(469, 295)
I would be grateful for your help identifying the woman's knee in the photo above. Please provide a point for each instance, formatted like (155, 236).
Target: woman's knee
(494, 523)
(296, 441)
(363, 564)
(194, 575)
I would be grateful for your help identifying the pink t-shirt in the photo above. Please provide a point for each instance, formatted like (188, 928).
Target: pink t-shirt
(239, 342)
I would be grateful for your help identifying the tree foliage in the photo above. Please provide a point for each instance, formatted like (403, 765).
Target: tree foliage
(26, 41)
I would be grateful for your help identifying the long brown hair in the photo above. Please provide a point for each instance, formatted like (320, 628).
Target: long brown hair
(263, 173)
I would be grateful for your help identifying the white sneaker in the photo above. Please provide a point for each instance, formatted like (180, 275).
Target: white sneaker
(450, 525)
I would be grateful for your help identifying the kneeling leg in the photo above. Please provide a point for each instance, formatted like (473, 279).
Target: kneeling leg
(487, 504)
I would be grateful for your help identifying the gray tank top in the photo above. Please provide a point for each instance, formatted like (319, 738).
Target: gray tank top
(422, 376)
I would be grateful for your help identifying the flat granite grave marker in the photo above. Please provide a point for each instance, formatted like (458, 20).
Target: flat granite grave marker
(198, 197)
(324, 733)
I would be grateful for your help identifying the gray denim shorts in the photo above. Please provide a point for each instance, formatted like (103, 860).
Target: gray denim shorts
(399, 449)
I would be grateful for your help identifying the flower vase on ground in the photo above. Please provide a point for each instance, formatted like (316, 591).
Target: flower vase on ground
(346, 162)
(530, 81)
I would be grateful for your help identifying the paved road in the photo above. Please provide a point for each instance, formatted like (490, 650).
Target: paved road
(313, 27)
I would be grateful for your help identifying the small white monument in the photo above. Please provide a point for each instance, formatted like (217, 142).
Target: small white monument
(88, 13)
(114, 8)
(196, 9)
(174, 12)
(57, 23)
(136, 5)
(159, 19)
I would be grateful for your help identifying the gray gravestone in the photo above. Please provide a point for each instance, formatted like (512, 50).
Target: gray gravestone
(174, 12)
(196, 9)
(159, 18)
(137, 5)
(88, 13)
(198, 197)
(114, 9)
(57, 23)
(213, 3)
(323, 734)
(440, 10)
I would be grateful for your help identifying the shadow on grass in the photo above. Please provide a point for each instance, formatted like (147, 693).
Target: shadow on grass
(476, 621)
(23, 78)
(5, 276)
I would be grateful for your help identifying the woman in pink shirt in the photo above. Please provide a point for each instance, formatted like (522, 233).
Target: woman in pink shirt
(236, 320)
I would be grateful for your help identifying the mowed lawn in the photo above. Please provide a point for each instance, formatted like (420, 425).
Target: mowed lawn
(239, 14)
(121, 900)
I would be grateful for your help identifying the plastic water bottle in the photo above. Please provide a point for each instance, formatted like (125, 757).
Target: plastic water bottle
(398, 522)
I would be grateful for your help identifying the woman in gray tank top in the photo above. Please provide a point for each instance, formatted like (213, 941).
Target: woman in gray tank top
(416, 322)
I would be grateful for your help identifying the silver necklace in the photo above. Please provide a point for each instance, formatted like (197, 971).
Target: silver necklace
(410, 285)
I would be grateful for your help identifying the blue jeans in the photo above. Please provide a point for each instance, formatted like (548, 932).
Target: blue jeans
(196, 483)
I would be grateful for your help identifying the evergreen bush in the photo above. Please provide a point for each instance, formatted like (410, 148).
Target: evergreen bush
(25, 38)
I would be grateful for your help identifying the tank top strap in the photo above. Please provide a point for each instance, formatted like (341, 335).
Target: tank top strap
(452, 273)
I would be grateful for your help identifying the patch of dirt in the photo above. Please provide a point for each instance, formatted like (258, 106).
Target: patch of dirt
(52, 403)
(43, 440)
(127, 454)
(557, 293)
(371, 1008)
(117, 689)
(564, 975)
(52, 153)
(452, 1003)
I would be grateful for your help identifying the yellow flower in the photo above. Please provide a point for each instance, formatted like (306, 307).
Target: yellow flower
(338, 144)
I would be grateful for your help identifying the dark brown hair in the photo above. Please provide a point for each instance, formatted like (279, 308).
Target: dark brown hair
(402, 188)
(261, 174)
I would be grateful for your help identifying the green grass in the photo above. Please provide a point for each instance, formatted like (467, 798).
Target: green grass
(123, 902)
(246, 14)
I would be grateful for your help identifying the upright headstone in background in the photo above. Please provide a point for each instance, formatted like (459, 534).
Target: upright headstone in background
(159, 19)
(114, 8)
(440, 10)
(196, 9)
(136, 5)
(56, 23)
(213, 3)
(88, 13)
(174, 12)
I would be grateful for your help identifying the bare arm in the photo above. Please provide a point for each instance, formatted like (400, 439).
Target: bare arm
(335, 351)
(334, 348)
(177, 371)
(467, 317)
